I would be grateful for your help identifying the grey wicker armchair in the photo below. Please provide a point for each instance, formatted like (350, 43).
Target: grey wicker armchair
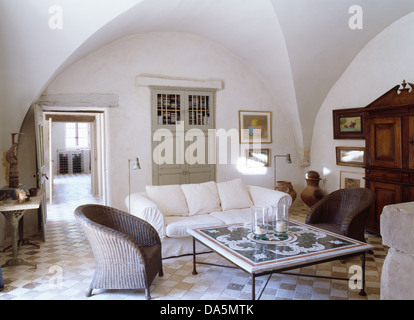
(127, 249)
(343, 211)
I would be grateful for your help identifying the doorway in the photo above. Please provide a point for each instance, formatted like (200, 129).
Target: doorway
(74, 157)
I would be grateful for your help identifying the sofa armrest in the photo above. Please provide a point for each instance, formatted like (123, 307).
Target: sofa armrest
(144, 208)
(266, 197)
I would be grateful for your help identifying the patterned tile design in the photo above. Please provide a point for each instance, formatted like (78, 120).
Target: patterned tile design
(65, 267)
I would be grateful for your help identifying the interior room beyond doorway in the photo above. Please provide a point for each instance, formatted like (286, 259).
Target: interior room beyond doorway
(74, 156)
(71, 191)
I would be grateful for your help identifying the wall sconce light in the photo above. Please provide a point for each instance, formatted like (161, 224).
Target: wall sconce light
(135, 166)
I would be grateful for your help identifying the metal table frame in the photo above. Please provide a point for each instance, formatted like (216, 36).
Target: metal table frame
(14, 211)
(284, 269)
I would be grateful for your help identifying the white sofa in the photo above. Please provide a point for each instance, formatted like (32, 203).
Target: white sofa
(172, 209)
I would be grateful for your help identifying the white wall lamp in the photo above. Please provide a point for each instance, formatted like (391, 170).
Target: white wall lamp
(135, 166)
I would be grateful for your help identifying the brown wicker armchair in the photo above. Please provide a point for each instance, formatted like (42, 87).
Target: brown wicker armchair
(343, 211)
(127, 250)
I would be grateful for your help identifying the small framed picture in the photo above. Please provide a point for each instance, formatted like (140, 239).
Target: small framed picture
(350, 156)
(348, 124)
(352, 180)
(255, 126)
(257, 158)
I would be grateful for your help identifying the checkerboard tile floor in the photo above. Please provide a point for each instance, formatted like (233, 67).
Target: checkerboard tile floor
(65, 267)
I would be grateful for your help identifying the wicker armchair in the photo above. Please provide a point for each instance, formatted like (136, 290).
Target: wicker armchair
(343, 211)
(127, 250)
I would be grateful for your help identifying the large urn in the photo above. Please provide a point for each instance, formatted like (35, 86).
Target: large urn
(286, 186)
(312, 193)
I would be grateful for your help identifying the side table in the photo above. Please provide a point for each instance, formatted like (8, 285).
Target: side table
(14, 211)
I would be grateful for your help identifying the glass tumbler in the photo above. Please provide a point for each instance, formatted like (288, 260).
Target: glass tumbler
(259, 223)
(280, 217)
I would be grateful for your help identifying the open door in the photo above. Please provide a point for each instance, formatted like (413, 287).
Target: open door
(98, 157)
(50, 124)
(41, 168)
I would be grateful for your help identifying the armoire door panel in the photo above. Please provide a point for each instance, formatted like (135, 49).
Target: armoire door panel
(385, 147)
(386, 193)
(411, 142)
(384, 142)
(389, 141)
(410, 194)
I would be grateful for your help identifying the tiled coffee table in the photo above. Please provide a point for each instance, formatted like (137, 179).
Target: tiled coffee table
(306, 245)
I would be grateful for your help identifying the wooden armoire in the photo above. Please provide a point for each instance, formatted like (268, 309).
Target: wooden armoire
(389, 137)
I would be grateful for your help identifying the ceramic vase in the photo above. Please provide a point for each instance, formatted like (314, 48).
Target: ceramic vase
(286, 186)
(312, 193)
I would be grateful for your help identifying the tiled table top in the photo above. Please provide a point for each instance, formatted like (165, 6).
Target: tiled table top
(305, 244)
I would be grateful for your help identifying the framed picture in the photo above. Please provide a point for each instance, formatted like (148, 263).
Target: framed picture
(348, 124)
(255, 126)
(350, 156)
(257, 158)
(352, 180)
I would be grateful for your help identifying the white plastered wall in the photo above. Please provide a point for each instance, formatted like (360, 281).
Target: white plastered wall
(114, 68)
(383, 63)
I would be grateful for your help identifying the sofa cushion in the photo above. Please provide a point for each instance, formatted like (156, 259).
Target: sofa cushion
(234, 195)
(177, 226)
(201, 197)
(234, 216)
(169, 199)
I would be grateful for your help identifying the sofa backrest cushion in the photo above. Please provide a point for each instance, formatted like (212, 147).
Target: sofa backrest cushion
(169, 199)
(234, 195)
(201, 197)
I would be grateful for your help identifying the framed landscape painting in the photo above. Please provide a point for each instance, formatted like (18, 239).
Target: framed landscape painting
(348, 124)
(351, 180)
(257, 158)
(350, 156)
(255, 126)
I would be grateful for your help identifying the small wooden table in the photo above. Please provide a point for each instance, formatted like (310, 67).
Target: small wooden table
(306, 245)
(14, 211)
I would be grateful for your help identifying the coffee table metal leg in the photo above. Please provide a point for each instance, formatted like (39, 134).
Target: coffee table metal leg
(253, 286)
(194, 257)
(362, 292)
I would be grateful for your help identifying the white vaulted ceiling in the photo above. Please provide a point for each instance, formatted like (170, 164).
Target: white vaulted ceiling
(298, 47)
